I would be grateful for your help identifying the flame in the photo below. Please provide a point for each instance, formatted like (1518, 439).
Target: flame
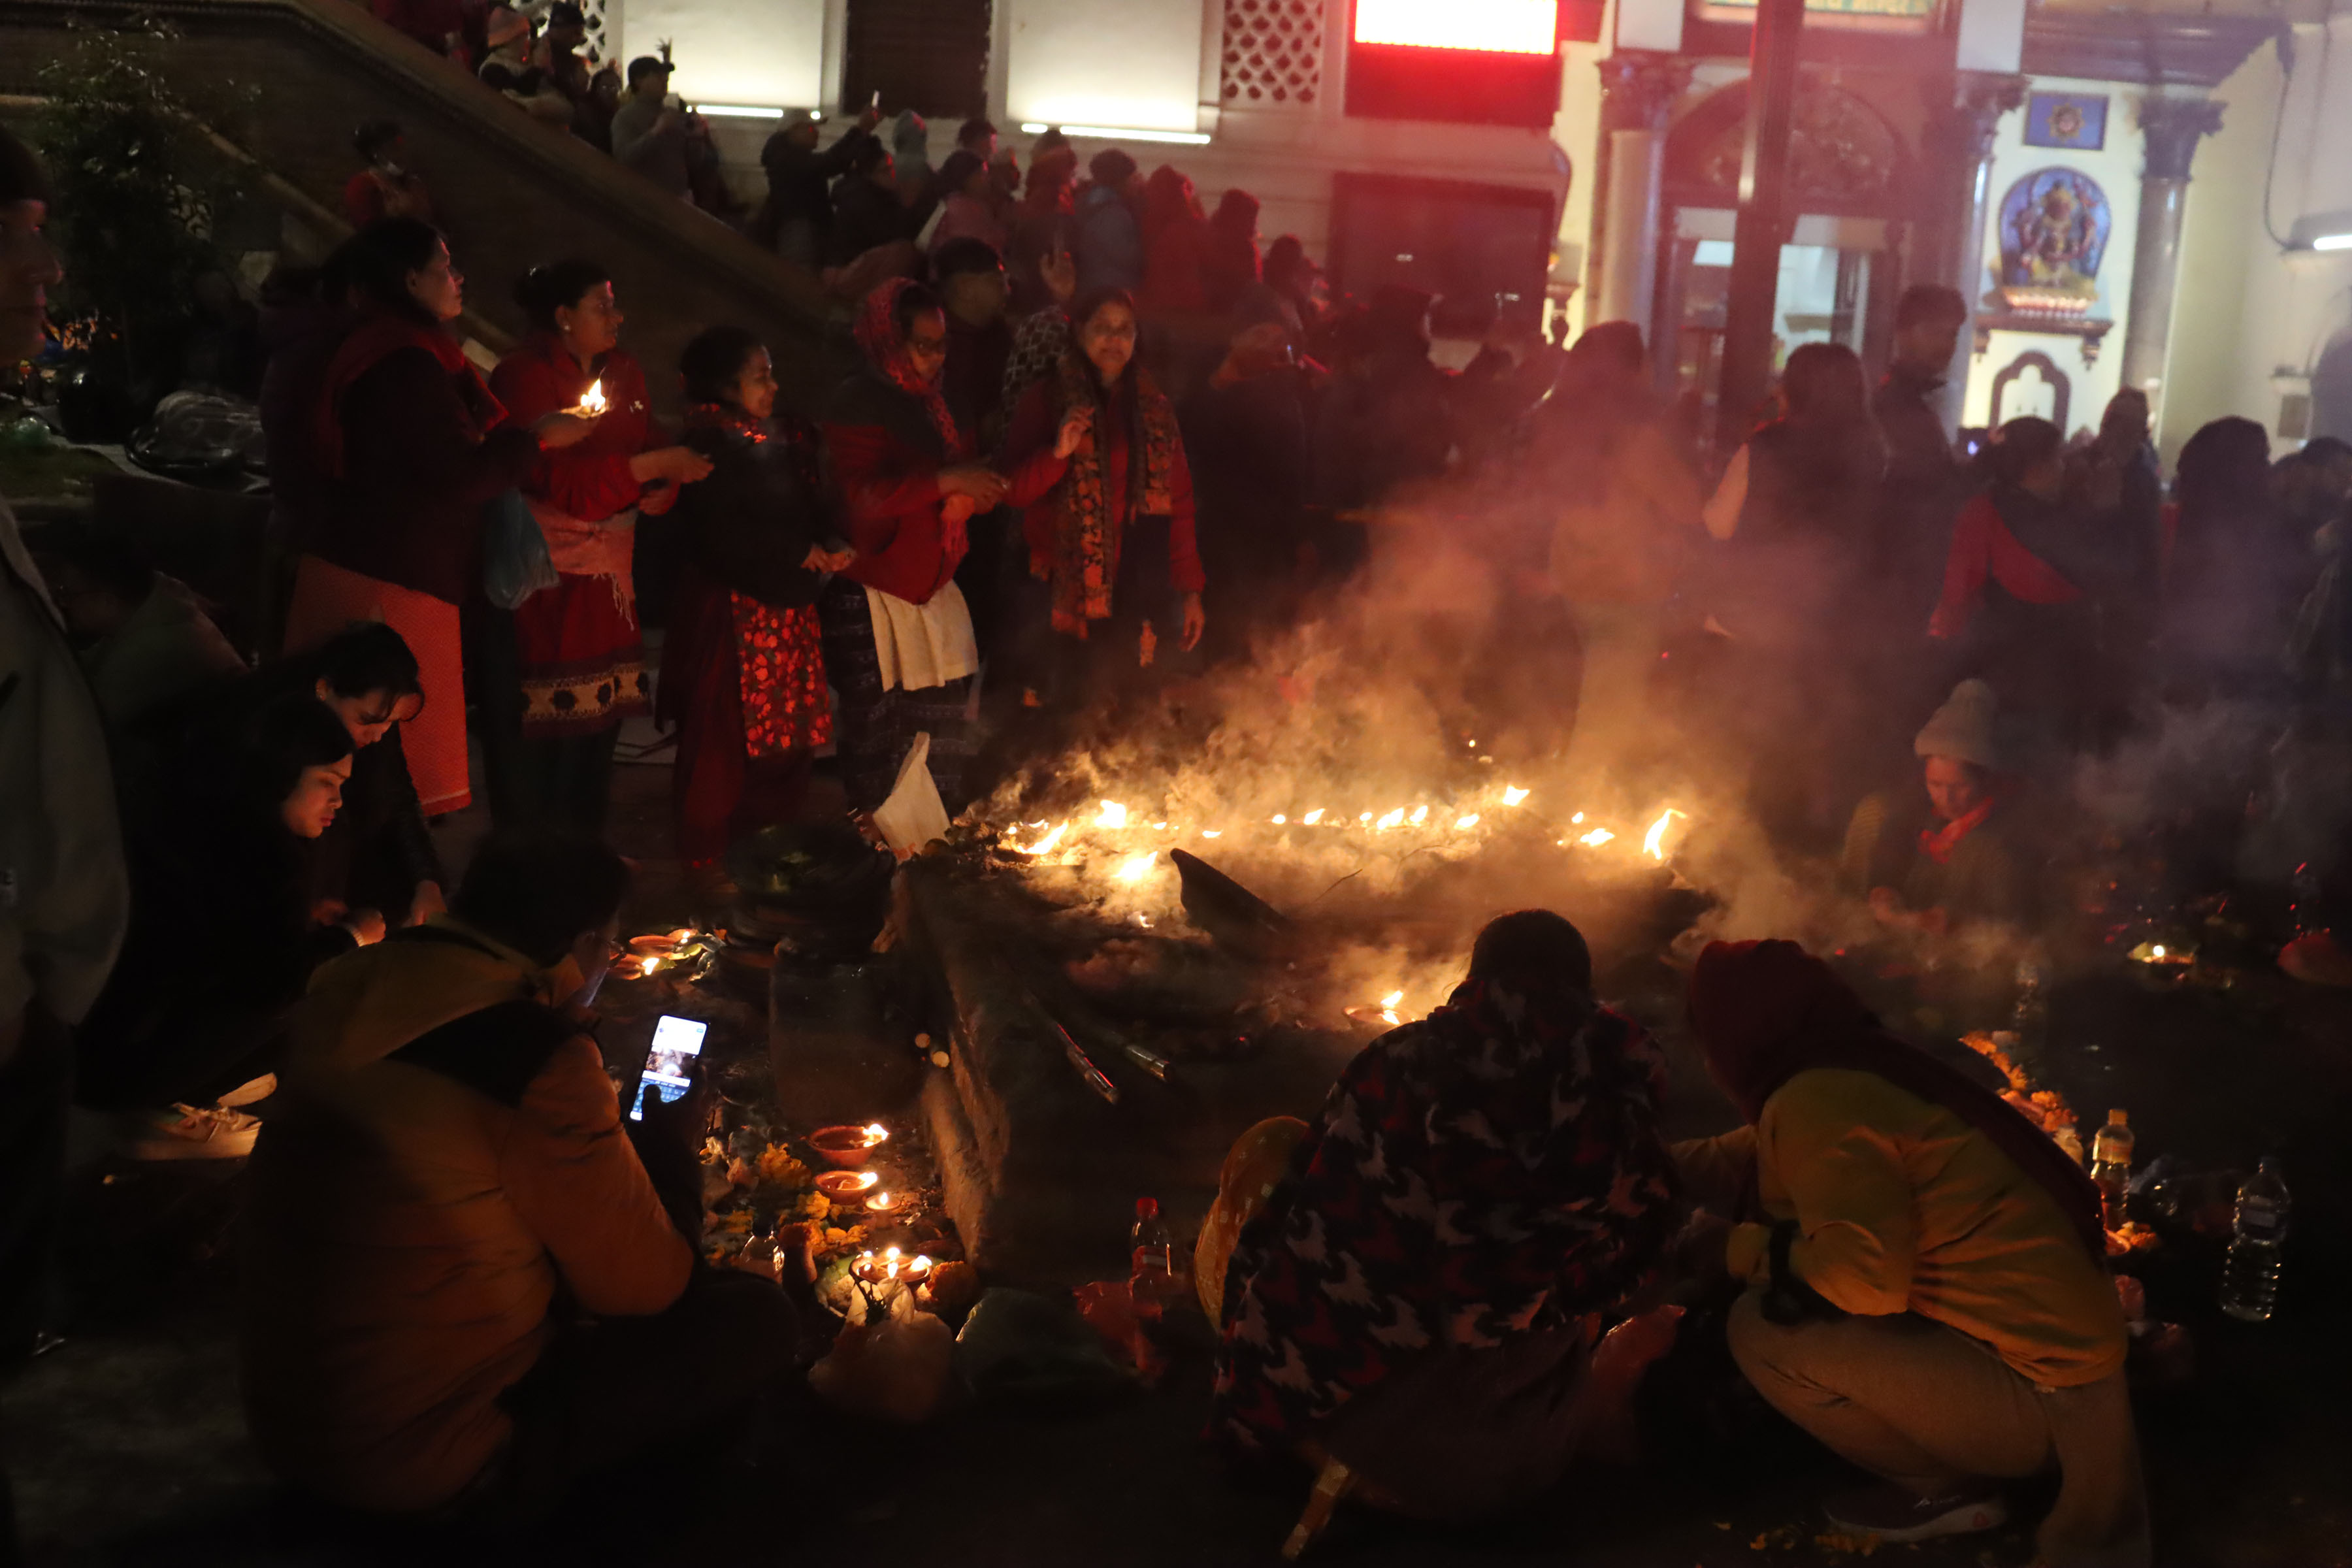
(1463, 823)
(1393, 998)
(875, 1132)
(1212, 833)
(1419, 815)
(1044, 846)
(1579, 818)
(1393, 819)
(1513, 795)
(651, 964)
(1653, 841)
(1597, 838)
(1366, 818)
(592, 401)
(1312, 817)
(1388, 1016)
(1279, 819)
(1113, 815)
(2156, 952)
(1135, 868)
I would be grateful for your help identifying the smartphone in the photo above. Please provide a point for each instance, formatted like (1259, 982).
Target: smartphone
(669, 1064)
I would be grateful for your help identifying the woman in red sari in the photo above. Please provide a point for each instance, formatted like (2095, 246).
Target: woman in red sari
(579, 651)
(743, 674)
(414, 446)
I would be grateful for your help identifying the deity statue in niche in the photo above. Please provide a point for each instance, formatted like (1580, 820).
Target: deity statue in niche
(2054, 224)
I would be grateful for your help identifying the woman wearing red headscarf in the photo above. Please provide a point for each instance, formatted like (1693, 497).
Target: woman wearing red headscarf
(1175, 245)
(414, 447)
(899, 643)
(1930, 1290)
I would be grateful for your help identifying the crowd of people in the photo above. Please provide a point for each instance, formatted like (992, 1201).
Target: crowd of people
(1096, 438)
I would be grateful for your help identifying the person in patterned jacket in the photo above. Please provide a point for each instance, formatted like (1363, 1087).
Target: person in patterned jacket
(1417, 1295)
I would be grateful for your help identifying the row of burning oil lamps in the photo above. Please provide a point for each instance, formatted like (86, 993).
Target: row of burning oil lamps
(849, 1148)
(1114, 817)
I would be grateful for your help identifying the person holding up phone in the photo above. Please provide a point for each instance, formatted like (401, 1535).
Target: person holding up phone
(467, 1274)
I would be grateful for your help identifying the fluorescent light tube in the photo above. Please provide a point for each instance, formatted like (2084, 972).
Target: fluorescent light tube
(1116, 133)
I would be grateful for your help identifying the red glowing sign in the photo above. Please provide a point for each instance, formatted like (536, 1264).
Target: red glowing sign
(1489, 26)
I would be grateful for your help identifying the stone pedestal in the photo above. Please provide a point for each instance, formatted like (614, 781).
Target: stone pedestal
(2172, 128)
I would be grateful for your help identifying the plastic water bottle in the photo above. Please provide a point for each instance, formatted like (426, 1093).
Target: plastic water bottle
(1151, 1271)
(2111, 1157)
(2250, 1278)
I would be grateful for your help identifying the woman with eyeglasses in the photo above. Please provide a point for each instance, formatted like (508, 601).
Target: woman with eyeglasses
(898, 642)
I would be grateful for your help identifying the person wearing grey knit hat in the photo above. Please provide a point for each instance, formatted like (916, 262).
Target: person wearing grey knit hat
(1959, 866)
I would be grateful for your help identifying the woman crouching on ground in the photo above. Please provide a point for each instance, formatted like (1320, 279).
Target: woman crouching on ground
(1415, 1295)
(1930, 1295)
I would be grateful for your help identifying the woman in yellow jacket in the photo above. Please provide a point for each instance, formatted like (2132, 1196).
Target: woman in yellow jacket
(1929, 1292)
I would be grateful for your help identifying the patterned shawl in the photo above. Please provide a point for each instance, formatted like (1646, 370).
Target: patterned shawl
(1493, 1170)
(885, 345)
(1086, 530)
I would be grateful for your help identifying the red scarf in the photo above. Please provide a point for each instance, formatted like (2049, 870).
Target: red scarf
(1937, 843)
(379, 335)
(1765, 1011)
(885, 342)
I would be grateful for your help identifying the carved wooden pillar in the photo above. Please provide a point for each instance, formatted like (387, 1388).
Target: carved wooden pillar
(1965, 133)
(1639, 90)
(2172, 127)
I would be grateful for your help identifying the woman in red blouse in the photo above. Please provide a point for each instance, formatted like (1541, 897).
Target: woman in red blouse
(897, 636)
(1111, 533)
(579, 653)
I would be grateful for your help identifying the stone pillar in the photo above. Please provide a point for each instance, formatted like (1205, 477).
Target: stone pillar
(2172, 127)
(1638, 93)
(1978, 101)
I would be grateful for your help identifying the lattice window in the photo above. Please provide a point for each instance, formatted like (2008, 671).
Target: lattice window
(601, 32)
(1273, 53)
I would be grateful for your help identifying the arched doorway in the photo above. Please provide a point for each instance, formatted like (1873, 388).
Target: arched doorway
(1850, 172)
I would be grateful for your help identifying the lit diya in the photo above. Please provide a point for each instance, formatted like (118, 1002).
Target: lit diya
(891, 1266)
(848, 1147)
(843, 1185)
(885, 1202)
(592, 401)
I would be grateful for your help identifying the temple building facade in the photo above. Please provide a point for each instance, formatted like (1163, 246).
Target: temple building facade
(2137, 195)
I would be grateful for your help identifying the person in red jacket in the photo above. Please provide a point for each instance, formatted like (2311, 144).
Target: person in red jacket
(1112, 534)
(579, 654)
(1175, 244)
(411, 447)
(898, 642)
(382, 188)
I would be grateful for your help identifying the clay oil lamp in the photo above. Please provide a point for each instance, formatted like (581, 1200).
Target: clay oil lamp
(842, 1186)
(848, 1147)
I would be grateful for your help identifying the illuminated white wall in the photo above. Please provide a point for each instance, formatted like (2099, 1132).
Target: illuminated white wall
(1124, 63)
(771, 55)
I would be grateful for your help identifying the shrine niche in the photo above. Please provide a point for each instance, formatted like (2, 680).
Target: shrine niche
(1843, 156)
(2054, 228)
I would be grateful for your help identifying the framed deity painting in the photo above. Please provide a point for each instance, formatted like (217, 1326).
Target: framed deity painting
(2075, 122)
